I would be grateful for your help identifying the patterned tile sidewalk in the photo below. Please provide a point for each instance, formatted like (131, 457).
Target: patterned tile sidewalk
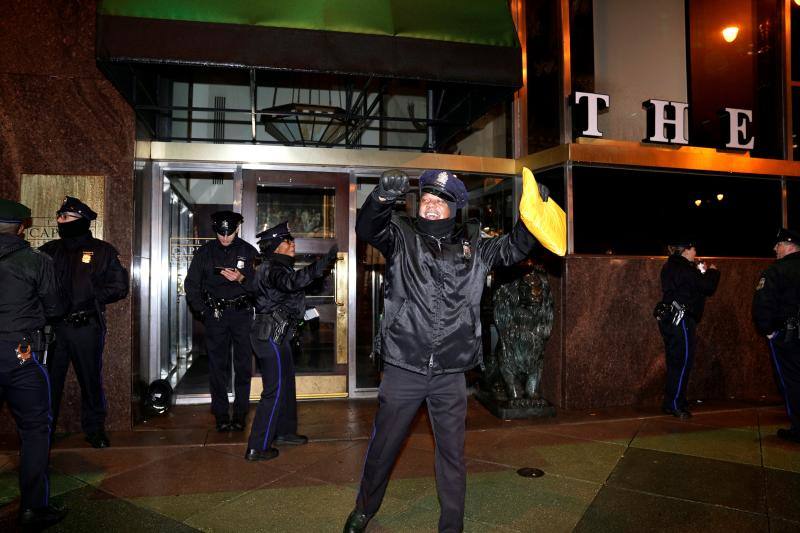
(611, 470)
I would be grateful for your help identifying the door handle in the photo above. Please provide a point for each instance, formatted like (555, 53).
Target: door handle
(340, 279)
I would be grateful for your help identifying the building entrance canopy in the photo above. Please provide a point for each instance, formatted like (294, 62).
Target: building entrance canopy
(445, 41)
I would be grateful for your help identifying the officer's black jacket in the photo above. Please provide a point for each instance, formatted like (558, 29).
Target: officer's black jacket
(280, 286)
(683, 283)
(89, 272)
(30, 289)
(202, 278)
(433, 288)
(777, 296)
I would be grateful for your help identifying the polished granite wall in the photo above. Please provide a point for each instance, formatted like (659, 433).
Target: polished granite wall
(59, 115)
(612, 353)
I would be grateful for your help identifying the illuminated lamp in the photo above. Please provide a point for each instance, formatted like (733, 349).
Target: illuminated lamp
(698, 202)
(730, 33)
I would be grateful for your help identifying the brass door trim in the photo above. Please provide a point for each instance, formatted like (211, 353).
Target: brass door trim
(341, 288)
(309, 386)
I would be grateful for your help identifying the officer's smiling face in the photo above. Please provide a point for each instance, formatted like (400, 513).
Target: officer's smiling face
(784, 248)
(431, 207)
(287, 247)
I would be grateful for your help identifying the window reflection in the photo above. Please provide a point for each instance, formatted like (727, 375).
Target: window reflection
(310, 211)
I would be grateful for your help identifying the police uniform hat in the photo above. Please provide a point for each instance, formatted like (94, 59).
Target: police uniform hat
(72, 205)
(787, 235)
(13, 212)
(270, 239)
(444, 184)
(225, 222)
(682, 242)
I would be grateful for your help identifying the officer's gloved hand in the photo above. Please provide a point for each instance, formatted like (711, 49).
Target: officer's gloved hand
(544, 192)
(330, 257)
(392, 185)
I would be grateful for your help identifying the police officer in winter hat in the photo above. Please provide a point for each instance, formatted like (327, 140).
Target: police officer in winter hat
(430, 335)
(776, 312)
(218, 288)
(30, 295)
(91, 277)
(280, 306)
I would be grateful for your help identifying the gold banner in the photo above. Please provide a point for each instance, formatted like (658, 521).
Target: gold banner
(43, 193)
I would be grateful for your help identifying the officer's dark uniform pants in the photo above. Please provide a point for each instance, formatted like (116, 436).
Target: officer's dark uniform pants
(276, 413)
(679, 344)
(786, 356)
(27, 390)
(399, 398)
(83, 346)
(233, 327)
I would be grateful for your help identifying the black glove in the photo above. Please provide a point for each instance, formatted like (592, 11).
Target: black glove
(330, 257)
(392, 185)
(544, 192)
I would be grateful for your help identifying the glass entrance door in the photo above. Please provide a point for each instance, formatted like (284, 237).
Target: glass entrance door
(315, 204)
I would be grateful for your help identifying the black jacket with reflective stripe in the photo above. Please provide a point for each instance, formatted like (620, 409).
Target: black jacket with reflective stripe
(30, 290)
(433, 288)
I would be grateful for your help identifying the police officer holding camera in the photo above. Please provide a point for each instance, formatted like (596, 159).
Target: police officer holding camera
(217, 290)
(686, 283)
(776, 311)
(92, 277)
(280, 306)
(30, 295)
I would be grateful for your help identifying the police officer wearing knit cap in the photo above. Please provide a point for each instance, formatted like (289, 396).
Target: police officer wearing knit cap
(92, 277)
(30, 295)
(686, 283)
(430, 334)
(280, 305)
(218, 291)
(776, 311)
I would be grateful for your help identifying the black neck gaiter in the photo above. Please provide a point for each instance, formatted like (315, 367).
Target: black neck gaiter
(76, 228)
(436, 228)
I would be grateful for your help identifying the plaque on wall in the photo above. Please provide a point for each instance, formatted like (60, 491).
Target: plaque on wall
(43, 193)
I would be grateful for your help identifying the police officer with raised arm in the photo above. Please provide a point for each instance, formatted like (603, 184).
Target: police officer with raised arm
(218, 291)
(280, 306)
(776, 311)
(431, 333)
(92, 277)
(30, 295)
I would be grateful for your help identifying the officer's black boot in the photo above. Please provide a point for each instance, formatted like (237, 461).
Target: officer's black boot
(792, 435)
(238, 423)
(223, 424)
(261, 455)
(41, 517)
(291, 438)
(98, 439)
(356, 522)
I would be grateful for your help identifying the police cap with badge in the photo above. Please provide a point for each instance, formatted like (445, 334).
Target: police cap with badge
(787, 235)
(73, 206)
(13, 212)
(270, 239)
(445, 185)
(226, 222)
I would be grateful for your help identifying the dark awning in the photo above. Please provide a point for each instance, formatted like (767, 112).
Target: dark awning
(452, 41)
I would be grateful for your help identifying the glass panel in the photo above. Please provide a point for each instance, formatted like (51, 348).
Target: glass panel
(793, 203)
(634, 212)
(796, 122)
(544, 75)
(795, 40)
(314, 346)
(310, 211)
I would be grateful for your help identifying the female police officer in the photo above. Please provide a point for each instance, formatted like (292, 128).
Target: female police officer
(686, 283)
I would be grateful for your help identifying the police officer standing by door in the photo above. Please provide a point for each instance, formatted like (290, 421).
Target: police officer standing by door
(430, 335)
(91, 277)
(776, 311)
(686, 283)
(30, 294)
(217, 291)
(280, 306)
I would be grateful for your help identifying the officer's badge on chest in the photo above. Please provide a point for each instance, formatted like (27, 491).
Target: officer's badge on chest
(239, 263)
(87, 257)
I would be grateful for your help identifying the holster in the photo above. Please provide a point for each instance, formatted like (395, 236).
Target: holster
(271, 326)
(673, 312)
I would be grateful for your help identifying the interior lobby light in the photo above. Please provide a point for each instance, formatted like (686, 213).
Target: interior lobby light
(797, 2)
(730, 33)
(698, 202)
(720, 197)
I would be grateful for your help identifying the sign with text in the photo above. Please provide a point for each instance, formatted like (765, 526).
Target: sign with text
(44, 193)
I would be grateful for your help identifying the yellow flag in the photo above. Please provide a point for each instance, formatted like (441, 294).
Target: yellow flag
(546, 220)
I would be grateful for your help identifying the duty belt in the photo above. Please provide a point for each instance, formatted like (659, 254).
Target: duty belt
(79, 318)
(221, 304)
